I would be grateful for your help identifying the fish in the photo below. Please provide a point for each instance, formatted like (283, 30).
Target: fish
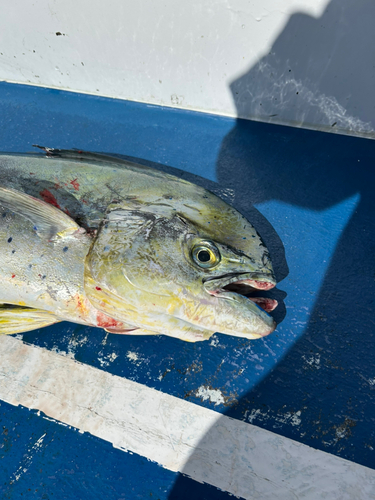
(105, 242)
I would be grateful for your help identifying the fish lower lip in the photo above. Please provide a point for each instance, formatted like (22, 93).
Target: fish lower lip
(265, 303)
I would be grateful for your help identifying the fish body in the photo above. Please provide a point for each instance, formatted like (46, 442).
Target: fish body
(42, 262)
(105, 242)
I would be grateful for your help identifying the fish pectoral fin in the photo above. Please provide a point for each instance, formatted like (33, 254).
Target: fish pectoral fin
(16, 319)
(48, 221)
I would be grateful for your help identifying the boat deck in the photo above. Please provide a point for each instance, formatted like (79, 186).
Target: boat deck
(85, 414)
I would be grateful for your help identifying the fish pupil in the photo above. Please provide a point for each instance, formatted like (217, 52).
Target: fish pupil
(204, 256)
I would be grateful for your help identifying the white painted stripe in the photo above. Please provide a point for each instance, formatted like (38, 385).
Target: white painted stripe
(236, 457)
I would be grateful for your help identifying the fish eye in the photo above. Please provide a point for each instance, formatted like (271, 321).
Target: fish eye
(206, 254)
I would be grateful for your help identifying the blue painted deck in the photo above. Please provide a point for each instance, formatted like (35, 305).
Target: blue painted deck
(311, 196)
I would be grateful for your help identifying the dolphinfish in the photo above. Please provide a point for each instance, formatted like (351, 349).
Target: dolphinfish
(96, 240)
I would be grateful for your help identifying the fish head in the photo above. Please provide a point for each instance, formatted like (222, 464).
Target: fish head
(167, 270)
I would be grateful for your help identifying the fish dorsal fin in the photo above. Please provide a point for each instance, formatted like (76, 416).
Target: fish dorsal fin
(48, 221)
(16, 319)
(80, 155)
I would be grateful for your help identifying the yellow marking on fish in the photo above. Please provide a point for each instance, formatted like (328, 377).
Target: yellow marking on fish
(82, 304)
(174, 303)
(66, 232)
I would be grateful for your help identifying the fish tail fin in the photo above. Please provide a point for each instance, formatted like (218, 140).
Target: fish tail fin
(16, 319)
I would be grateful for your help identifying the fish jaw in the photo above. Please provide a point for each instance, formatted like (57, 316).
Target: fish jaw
(228, 313)
(184, 315)
(240, 315)
(154, 318)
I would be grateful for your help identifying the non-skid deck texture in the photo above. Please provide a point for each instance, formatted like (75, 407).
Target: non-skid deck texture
(311, 197)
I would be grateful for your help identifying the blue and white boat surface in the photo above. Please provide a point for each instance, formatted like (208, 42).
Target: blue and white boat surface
(85, 414)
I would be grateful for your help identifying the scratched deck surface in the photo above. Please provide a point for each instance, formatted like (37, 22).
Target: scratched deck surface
(310, 195)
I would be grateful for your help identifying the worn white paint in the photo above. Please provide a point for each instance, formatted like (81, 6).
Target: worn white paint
(234, 456)
(302, 62)
(28, 458)
(213, 395)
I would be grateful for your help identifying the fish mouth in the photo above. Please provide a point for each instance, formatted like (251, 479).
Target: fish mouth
(244, 284)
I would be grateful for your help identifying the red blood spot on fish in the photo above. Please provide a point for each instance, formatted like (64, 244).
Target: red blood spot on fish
(75, 184)
(32, 173)
(13, 275)
(97, 288)
(57, 185)
(106, 322)
(49, 198)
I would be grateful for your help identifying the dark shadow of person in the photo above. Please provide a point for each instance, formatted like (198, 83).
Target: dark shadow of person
(334, 400)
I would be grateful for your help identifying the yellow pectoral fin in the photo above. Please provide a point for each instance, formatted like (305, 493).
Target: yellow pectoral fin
(15, 319)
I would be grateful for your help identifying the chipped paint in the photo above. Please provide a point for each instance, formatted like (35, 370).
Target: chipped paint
(136, 359)
(312, 360)
(214, 341)
(213, 395)
(289, 417)
(132, 356)
(27, 459)
(107, 359)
